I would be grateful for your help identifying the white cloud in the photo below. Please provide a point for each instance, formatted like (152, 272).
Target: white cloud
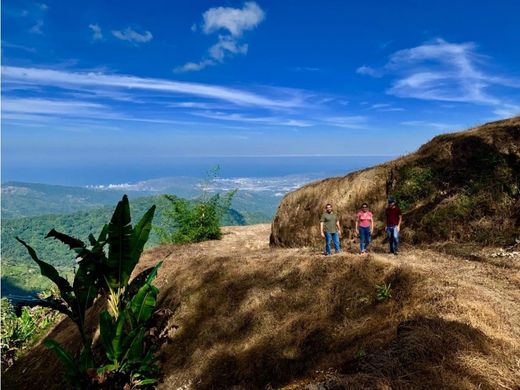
(384, 107)
(369, 71)
(269, 120)
(507, 110)
(131, 35)
(193, 66)
(226, 44)
(96, 31)
(442, 71)
(37, 28)
(94, 81)
(348, 122)
(49, 106)
(234, 20)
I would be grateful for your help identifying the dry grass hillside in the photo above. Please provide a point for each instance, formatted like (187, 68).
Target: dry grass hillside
(236, 314)
(458, 187)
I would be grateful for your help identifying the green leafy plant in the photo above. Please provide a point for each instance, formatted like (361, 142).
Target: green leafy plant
(19, 331)
(130, 305)
(383, 291)
(197, 220)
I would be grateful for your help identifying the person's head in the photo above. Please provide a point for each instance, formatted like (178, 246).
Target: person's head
(391, 202)
(364, 207)
(328, 208)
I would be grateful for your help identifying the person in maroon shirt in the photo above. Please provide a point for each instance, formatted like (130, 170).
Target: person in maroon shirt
(394, 217)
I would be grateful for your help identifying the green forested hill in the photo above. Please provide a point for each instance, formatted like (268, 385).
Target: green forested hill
(19, 271)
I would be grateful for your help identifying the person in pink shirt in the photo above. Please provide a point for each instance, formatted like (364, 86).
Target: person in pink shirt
(365, 227)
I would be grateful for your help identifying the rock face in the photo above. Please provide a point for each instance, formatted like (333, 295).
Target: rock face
(460, 187)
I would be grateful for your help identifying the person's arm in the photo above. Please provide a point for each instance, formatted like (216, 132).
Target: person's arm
(399, 224)
(339, 227)
(372, 225)
(357, 225)
(321, 230)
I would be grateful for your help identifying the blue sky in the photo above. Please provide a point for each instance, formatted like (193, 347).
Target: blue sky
(128, 81)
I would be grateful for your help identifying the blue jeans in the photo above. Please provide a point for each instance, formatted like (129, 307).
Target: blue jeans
(393, 238)
(364, 238)
(335, 238)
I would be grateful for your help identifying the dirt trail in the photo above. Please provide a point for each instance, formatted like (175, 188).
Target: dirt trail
(236, 313)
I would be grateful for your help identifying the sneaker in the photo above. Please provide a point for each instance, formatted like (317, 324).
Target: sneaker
(396, 253)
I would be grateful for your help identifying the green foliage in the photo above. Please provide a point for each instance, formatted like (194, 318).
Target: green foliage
(122, 335)
(18, 332)
(383, 291)
(198, 220)
(415, 183)
(131, 305)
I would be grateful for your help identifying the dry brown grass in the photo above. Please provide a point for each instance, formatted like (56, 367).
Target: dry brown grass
(241, 315)
(471, 192)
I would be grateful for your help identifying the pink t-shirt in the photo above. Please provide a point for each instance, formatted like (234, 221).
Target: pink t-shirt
(364, 218)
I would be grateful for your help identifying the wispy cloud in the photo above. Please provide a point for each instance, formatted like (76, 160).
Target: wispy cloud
(270, 120)
(49, 106)
(37, 28)
(133, 36)
(18, 47)
(194, 66)
(348, 122)
(97, 34)
(367, 70)
(304, 69)
(443, 71)
(72, 80)
(434, 125)
(231, 24)
(385, 107)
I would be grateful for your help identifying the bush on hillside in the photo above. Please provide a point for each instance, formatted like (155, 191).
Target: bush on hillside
(198, 220)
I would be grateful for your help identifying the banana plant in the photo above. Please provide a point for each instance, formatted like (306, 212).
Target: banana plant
(123, 334)
(102, 274)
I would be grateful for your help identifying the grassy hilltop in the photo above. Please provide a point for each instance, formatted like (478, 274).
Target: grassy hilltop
(461, 187)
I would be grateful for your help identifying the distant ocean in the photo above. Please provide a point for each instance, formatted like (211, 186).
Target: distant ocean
(230, 167)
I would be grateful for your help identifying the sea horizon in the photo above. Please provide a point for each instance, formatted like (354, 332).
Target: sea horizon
(117, 173)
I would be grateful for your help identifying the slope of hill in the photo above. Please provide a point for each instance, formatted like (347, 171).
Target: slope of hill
(236, 314)
(459, 187)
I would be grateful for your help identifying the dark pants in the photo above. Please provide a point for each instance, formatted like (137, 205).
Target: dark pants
(364, 238)
(335, 238)
(393, 238)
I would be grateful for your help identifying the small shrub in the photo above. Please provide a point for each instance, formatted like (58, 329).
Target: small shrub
(195, 221)
(383, 291)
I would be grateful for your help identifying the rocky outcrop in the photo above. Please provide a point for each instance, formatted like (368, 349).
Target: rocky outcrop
(461, 187)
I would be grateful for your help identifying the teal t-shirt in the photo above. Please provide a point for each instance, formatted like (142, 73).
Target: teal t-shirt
(329, 222)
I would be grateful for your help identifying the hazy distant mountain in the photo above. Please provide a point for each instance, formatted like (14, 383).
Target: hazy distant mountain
(31, 199)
